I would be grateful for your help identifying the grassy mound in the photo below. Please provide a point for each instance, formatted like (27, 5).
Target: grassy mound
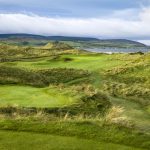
(57, 46)
(131, 80)
(10, 53)
(40, 78)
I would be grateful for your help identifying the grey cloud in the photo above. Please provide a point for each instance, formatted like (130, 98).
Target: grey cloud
(111, 27)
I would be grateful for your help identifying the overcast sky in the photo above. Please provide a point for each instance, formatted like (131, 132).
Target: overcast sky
(95, 18)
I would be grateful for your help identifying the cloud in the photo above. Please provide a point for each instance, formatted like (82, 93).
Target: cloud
(74, 8)
(147, 42)
(115, 26)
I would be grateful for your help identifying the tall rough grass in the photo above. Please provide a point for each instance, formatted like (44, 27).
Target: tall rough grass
(115, 116)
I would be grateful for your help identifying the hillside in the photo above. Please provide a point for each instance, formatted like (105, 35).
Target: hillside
(77, 42)
(40, 37)
(122, 41)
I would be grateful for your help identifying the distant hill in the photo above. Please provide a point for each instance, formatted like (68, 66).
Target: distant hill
(122, 41)
(30, 39)
(40, 37)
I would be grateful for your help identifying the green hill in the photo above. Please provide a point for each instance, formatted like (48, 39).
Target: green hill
(39, 40)
(40, 37)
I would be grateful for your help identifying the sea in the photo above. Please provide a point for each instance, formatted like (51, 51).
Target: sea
(109, 50)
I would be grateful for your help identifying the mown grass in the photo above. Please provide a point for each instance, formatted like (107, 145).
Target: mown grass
(91, 62)
(36, 141)
(25, 96)
(98, 132)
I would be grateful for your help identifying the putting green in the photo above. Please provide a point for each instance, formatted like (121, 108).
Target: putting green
(33, 97)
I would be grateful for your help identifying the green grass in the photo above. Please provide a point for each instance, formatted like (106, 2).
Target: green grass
(32, 141)
(90, 62)
(126, 77)
(25, 96)
(97, 132)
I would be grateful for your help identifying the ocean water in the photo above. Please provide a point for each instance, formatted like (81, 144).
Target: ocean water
(118, 50)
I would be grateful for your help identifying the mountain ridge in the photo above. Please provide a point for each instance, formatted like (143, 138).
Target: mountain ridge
(66, 38)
